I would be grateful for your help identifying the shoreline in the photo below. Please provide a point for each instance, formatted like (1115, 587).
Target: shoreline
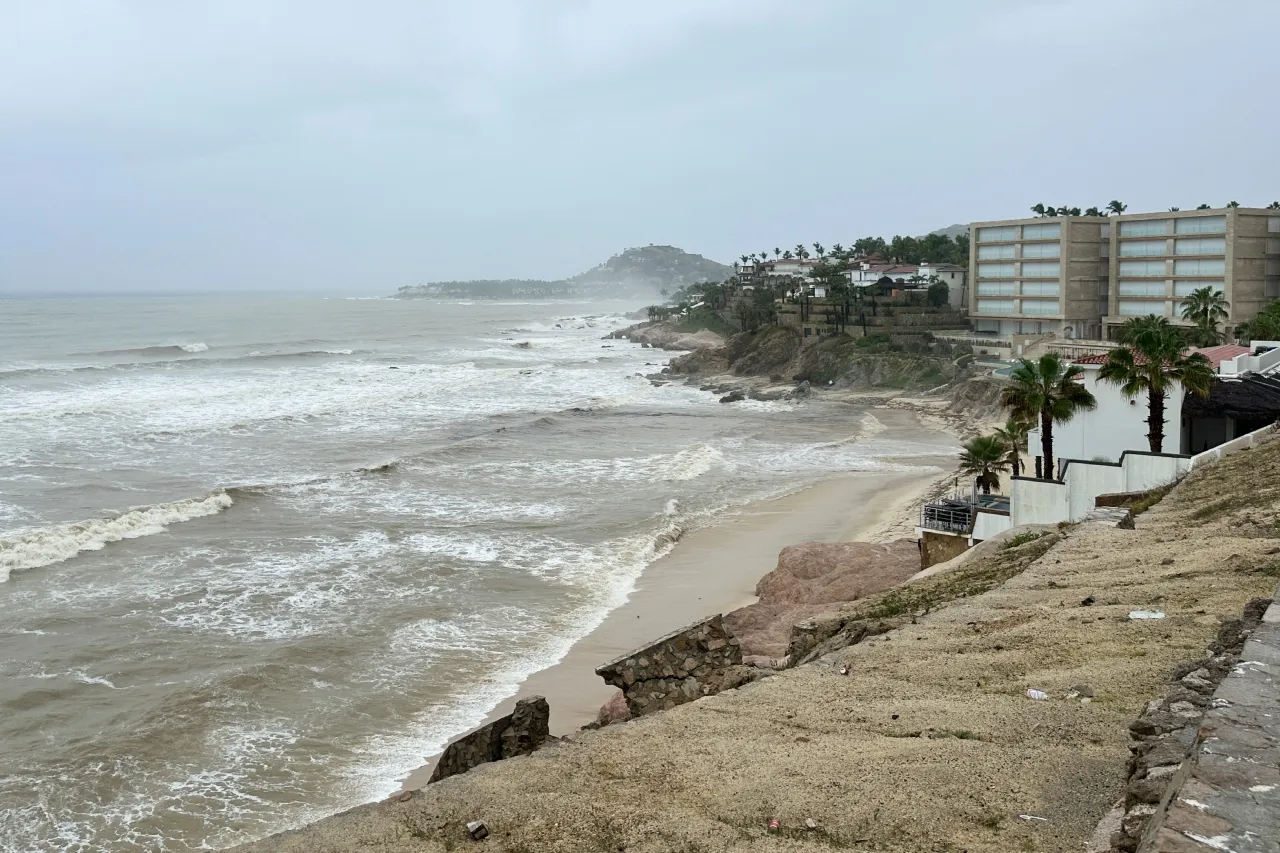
(715, 569)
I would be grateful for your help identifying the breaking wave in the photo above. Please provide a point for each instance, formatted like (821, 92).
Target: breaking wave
(32, 549)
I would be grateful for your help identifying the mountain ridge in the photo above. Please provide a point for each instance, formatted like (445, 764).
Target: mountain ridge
(642, 271)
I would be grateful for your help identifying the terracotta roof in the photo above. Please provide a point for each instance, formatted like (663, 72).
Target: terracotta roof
(1216, 355)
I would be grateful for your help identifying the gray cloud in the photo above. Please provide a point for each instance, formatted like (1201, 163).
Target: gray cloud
(283, 144)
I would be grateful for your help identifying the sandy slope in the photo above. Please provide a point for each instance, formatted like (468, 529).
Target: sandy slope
(929, 745)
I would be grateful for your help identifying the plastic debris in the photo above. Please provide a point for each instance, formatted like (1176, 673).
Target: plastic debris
(810, 823)
(844, 670)
(1030, 817)
(478, 830)
(1146, 614)
(1038, 695)
(773, 826)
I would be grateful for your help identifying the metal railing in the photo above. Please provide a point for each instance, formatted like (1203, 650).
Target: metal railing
(949, 517)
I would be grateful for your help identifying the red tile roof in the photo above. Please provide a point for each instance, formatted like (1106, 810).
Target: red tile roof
(1216, 355)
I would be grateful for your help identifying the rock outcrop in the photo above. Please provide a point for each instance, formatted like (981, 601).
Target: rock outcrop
(665, 335)
(699, 660)
(809, 579)
(521, 732)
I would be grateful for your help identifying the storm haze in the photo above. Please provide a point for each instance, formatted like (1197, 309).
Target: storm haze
(356, 148)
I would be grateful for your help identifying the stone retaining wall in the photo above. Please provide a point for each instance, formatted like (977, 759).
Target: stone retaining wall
(1172, 739)
(687, 664)
(519, 733)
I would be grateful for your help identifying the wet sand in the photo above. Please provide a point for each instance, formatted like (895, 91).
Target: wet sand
(715, 570)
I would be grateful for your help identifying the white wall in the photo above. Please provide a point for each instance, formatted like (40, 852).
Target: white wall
(1117, 424)
(989, 524)
(1086, 482)
(1038, 502)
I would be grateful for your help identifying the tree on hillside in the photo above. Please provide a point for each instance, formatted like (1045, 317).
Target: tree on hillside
(1206, 308)
(1014, 436)
(837, 251)
(1153, 364)
(938, 293)
(870, 246)
(1046, 391)
(1117, 207)
(985, 457)
(1265, 326)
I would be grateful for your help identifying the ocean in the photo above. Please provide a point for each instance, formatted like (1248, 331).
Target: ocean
(259, 557)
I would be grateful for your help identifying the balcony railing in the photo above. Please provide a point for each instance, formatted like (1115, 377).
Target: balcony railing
(948, 516)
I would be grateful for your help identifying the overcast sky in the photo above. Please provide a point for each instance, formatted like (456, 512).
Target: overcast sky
(335, 145)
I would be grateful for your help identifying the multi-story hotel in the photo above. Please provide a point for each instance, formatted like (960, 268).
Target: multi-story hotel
(1158, 259)
(1082, 277)
(1036, 276)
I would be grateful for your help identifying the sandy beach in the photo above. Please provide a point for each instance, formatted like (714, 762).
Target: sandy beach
(715, 570)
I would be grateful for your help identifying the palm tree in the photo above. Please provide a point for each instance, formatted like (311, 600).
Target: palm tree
(1154, 362)
(1051, 211)
(1117, 207)
(1275, 205)
(1174, 209)
(1205, 307)
(837, 251)
(985, 458)
(1014, 436)
(1093, 211)
(1049, 390)
(1038, 209)
(744, 259)
(786, 256)
(819, 250)
(1204, 207)
(1265, 326)
(1233, 204)
(777, 253)
(800, 250)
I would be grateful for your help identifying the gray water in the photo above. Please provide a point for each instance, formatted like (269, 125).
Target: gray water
(259, 557)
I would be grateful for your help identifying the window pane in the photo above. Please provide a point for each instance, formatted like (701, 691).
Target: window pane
(1140, 308)
(995, 270)
(1142, 248)
(1047, 231)
(995, 288)
(1201, 246)
(1273, 223)
(1039, 306)
(1273, 266)
(1144, 227)
(1203, 266)
(1041, 270)
(1273, 245)
(1041, 250)
(1039, 288)
(1144, 268)
(991, 253)
(995, 306)
(1141, 288)
(996, 235)
(1183, 287)
(1203, 225)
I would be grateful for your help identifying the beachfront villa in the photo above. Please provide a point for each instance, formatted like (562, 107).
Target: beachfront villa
(1105, 451)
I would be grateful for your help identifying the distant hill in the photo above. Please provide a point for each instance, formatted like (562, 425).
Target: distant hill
(953, 231)
(639, 272)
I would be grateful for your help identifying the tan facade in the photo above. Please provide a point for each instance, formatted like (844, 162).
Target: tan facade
(1157, 259)
(1038, 276)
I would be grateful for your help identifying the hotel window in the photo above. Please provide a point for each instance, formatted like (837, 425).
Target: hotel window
(1201, 266)
(1048, 231)
(1141, 307)
(995, 288)
(1273, 223)
(997, 235)
(995, 270)
(1144, 228)
(1106, 232)
(995, 306)
(1041, 269)
(1143, 249)
(1273, 245)
(1273, 288)
(1273, 266)
(1141, 288)
(1184, 286)
(1039, 306)
(1203, 225)
(1039, 288)
(1041, 250)
(1201, 246)
(994, 253)
(1143, 268)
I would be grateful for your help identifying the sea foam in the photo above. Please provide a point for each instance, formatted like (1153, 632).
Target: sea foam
(31, 549)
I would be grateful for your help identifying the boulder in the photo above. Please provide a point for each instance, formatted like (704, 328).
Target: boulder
(521, 732)
(614, 711)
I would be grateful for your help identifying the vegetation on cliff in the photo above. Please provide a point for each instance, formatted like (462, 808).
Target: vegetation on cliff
(639, 272)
